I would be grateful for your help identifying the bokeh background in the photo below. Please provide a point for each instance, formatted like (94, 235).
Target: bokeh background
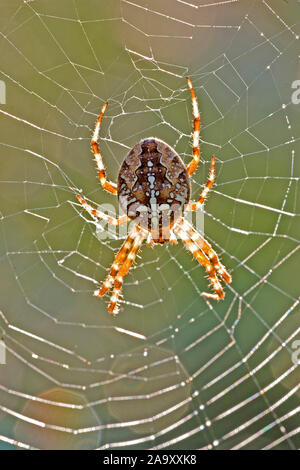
(173, 370)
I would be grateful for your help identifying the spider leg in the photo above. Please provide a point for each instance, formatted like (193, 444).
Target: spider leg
(189, 237)
(119, 258)
(204, 246)
(196, 150)
(208, 250)
(101, 215)
(113, 306)
(195, 205)
(108, 186)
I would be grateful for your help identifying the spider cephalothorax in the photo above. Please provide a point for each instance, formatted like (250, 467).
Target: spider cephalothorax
(153, 186)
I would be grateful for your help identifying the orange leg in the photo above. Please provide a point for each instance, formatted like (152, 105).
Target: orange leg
(120, 267)
(101, 215)
(199, 249)
(113, 306)
(118, 261)
(196, 150)
(108, 186)
(195, 205)
(203, 245)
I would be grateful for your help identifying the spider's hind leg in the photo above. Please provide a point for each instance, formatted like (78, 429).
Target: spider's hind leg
(208, 258)
(113, 306)
(203, 245)
(119, 259)
(120, 267)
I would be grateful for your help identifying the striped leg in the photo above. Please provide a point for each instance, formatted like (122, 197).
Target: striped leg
(113, 306)
(208, 250)
(189, 237)
(119, 259)
(196, 150)
(193, 206)
(109, 186)
(101, 215)
(203, 245)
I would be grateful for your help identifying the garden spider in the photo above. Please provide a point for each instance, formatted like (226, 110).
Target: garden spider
(153, 186)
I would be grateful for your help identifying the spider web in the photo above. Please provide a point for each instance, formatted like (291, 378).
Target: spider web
(174, 370)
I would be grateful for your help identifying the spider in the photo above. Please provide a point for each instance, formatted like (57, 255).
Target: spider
(153, 186)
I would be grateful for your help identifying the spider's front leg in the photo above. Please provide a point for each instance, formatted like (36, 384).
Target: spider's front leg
(107, 185)
(196, 136)
(195, 205)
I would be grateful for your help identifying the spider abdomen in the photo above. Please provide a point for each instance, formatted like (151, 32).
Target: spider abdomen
(153, 185)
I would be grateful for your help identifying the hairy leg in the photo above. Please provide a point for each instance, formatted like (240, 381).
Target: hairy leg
(190, 239)
(195, 205)
(118, 261)
(196, 136)
(101, 215)
(113, 306)
(107, 185)
(203, 245)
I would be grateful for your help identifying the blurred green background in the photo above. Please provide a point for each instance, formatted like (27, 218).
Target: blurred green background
(202, 374)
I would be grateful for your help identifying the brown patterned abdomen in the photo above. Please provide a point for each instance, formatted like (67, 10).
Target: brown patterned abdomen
(153, 186)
